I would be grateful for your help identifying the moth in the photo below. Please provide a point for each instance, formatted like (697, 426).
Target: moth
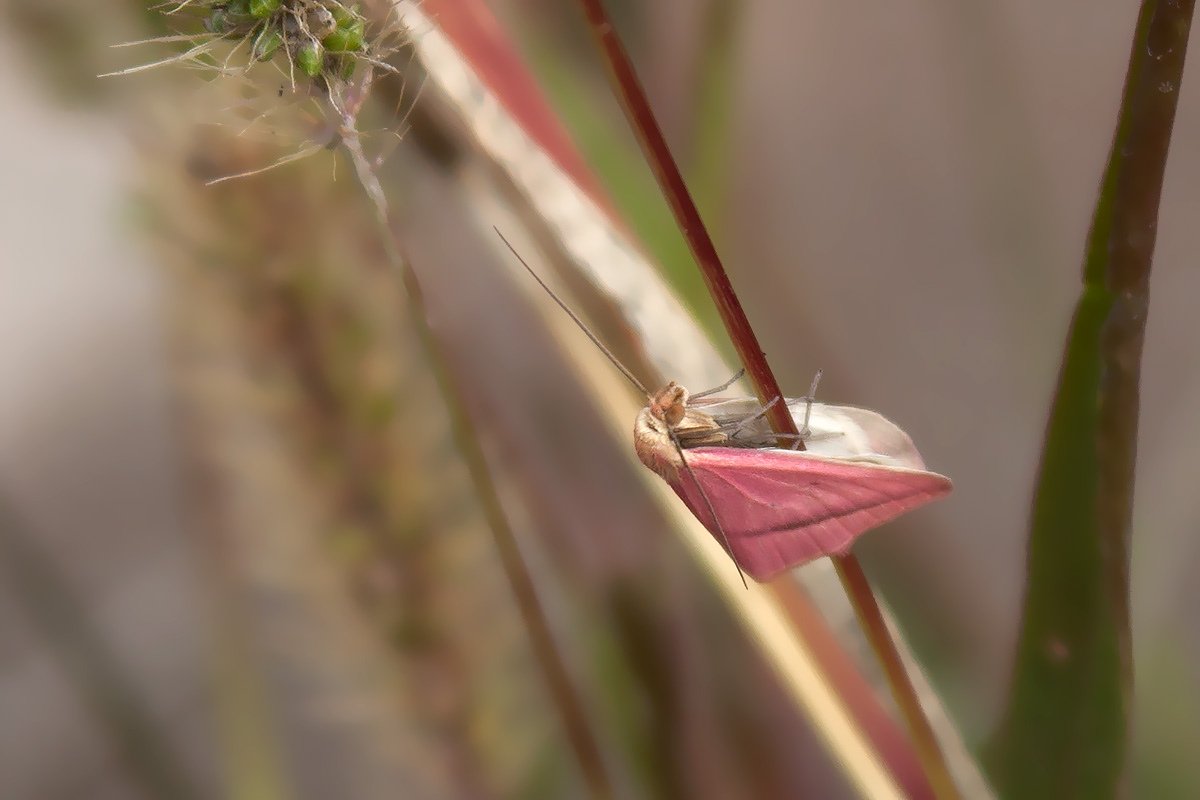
(775, 508)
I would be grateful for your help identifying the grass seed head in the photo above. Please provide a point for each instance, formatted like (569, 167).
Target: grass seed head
(320, 39)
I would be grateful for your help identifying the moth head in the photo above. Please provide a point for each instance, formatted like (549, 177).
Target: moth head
(669, 404)
(667, 424)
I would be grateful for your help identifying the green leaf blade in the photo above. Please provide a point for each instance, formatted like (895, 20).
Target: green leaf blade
(1066, 727)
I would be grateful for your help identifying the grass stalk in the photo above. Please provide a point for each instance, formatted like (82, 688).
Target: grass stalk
(569, 703)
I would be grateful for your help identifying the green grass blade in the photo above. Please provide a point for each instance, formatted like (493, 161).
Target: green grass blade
(1065, 729)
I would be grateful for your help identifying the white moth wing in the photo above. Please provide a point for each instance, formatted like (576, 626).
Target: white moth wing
(835, 431)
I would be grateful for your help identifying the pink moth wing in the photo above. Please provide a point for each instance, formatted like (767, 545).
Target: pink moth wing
(781, 508)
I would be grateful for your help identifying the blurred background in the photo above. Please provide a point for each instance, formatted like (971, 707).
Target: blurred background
(238, 539)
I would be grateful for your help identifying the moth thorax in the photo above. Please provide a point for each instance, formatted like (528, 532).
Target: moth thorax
(653, 445)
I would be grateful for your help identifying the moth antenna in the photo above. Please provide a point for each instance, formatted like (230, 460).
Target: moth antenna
(737, 377)
(712, 511)
(596, 341)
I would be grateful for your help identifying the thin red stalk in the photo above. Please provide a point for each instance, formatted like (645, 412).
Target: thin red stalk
(654, 146)
(637, 109)
(870, 618)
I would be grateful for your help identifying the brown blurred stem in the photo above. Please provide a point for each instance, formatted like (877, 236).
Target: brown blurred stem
(637, 110)
(570, 705)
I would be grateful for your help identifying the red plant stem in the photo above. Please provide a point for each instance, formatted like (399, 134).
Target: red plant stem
(654, 146)
(877, 724)
(870, 618)
(637, 109)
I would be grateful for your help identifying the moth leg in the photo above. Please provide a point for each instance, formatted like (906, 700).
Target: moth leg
(797, 438)
(805, 430)
(824, 436)
(711, 510)
(735, 428)
(716, 390)
(741, 424)
(812, 392)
